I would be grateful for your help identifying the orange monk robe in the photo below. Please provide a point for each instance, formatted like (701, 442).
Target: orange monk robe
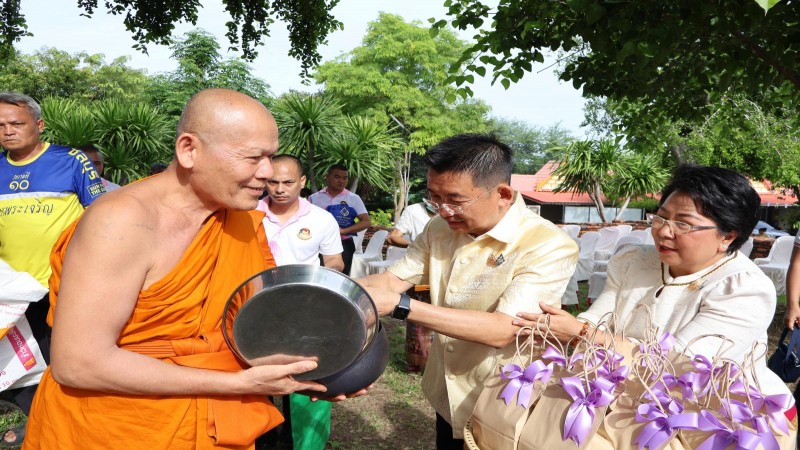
(177, 320)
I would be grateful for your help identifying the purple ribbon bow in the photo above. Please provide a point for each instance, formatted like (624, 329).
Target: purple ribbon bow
(558, 358)
(665, 344)
(660, 426)
(703, 368)
(581, 413)
(741, 413)
(723, 436)
(689, 383)
(521, 382)
(615, 376)
(773, 405)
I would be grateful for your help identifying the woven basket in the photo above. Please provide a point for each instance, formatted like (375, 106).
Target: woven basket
(469, 440)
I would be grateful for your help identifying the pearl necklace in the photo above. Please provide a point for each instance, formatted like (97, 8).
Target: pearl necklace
(694, 285)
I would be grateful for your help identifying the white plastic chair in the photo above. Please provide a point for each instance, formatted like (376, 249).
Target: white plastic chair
(358, 240)
(586, 244)
(623, 229)
(646, 235)
(360, 266)
(776, 264)
(600, 265)
(597, 281)
(572, 230)
(606, 243)
(392, 254)
(747, 247)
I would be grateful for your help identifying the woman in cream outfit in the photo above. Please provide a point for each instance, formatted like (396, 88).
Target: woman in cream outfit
(694, 281)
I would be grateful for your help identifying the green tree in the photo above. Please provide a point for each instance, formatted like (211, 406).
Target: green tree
(306, 124)
(672, 56)
(309, 23)
(736, 133)
(604, 172)
(533, 146)
(365, 147)
(398, 76)
(50, 72)
(201, 66)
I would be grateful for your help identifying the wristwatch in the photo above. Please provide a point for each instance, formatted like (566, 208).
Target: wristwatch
(402, 309)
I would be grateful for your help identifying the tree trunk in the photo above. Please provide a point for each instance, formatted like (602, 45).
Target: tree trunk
(400, 196)
(678, 152)
(622, 208)
(597, 198)
(353, 185)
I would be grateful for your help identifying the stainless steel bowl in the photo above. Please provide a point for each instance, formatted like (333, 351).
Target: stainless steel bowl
(294, 311)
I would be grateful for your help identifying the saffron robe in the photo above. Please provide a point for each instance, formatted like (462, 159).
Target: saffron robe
(177, 320)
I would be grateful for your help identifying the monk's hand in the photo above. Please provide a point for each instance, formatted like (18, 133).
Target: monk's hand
(563, 326)
(339, 398)
(278, 379)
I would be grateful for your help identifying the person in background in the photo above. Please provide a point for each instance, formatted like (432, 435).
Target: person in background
(43, 188)
(298, 232)
(411, 223)
(346, 207)
(694, 281)
(97, 159)
(157, 168)
(153, 371)
(486, 258)
(791, 317)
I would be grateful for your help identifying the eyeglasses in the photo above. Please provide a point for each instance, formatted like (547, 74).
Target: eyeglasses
(677, 228)
(455, 209)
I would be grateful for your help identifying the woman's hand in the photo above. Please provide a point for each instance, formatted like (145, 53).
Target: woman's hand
(562, 324)
(791, 317)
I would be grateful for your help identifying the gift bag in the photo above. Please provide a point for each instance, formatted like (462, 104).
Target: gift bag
(763, 412)
(569, 412)
(733, 423)
(503, 406)
(650, 419)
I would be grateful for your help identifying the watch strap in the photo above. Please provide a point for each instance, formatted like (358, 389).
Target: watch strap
(403, 308)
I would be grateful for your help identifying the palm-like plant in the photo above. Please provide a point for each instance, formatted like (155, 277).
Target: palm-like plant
(307, 123)
(366, 148)
(132, 137)
(586, 167)
(642, 175)
(67, 122)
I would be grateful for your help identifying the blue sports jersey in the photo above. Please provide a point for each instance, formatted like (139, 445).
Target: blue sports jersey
(39, 198)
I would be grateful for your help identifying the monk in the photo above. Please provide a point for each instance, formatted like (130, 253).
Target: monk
(138, 358)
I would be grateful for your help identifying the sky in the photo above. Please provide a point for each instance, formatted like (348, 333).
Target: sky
(539, 99)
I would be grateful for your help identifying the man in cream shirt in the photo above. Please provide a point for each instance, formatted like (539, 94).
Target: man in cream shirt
(486, 257)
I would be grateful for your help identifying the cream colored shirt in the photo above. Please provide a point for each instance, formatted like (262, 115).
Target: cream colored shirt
(737, 301)
(462, 272)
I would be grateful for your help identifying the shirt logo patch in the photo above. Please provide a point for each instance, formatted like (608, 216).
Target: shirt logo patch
(304, 234)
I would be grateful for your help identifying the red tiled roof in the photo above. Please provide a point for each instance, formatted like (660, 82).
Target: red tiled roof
(773, 199)
(559, 198)
(531, 187)
(521, 182)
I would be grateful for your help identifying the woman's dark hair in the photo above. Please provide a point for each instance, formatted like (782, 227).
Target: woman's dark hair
(722, 195)
(485, 158)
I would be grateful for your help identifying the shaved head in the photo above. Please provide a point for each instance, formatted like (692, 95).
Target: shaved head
(223, 148)
(216, 113)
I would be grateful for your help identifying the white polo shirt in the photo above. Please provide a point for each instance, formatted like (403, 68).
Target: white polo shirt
(309, 233)
(413, 220)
